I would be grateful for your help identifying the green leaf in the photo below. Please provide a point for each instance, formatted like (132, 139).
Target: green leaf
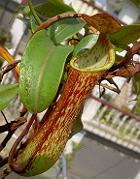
(7, 93)
(64, 29)
(126, 35)
(26, 11)
(136, 83)
(136, 2)
(86, 43)
(122, 131)
(34, 26)
(41, 71)
(118, 58)
(137, 107)
(51, 8)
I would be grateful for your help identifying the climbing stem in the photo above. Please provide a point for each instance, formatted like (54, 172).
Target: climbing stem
(34, 12)
(8, 57)
(13, 165)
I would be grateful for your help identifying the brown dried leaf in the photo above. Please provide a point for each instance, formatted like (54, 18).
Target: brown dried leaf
(103, 22)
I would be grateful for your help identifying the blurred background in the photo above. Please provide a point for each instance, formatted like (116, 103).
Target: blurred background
(109, 145)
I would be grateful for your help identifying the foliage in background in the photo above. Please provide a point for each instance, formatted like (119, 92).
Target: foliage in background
(136, 2)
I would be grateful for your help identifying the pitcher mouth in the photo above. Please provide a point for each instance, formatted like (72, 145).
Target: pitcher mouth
(99, 58)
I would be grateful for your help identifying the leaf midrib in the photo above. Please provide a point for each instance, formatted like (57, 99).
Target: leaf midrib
(38, 84)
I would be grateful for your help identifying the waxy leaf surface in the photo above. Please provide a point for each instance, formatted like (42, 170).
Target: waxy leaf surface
(64, 29)
(86, 43)
(126, 35)
(137, 107)
(136, 2)
(41, 71)
(52, 7)
(136, 83)
(34, 26)
(103, 22)
(7, 93)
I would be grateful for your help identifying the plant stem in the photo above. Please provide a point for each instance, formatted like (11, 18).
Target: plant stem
(13, 165)
(4, 117)
(56, 18)
(34, 12)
